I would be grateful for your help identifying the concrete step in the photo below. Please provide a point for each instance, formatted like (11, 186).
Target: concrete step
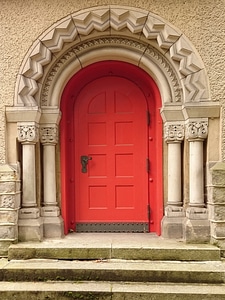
(211, 272)
(114, 246)
(109, 291)
(112, 267)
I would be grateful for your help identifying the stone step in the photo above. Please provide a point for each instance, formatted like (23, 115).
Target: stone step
(112, 267)
(109, 291)
(211, 272)
(114, 246)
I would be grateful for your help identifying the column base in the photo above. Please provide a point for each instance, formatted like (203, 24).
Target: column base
(53, 222)
(53, 227)
(30, 225)
(172, 222)
(196, 226)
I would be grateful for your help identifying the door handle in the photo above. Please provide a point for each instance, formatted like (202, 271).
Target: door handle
(84, 161)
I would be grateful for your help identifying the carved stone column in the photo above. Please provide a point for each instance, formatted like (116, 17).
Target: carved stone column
(174, 213)
(196, 226)
(53, 224)
(30, 222)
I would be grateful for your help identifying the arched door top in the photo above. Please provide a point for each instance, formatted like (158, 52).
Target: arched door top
(149, 42)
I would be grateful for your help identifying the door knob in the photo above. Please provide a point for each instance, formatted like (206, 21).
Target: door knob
(84, 161)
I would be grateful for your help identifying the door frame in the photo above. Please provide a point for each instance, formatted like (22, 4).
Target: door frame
(67, 143)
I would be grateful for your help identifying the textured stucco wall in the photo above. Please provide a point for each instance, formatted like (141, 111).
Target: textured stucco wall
(22, 21)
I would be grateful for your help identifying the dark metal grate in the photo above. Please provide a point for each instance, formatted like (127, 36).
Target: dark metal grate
(112, 227)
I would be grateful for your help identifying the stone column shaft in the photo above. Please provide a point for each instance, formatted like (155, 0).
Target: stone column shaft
(174, 174)
(174, 135)
(28, 136)
(49, 175)
(196, 179)
(196, 132)
(49, 138)
(29, 176)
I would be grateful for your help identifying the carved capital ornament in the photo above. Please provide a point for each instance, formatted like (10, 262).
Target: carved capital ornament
(49, 135)
(28, 132)
(174, 133)
(196, 130)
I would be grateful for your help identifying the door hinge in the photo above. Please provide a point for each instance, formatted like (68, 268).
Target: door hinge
(147, 165)
(148, 211)
(148, 117)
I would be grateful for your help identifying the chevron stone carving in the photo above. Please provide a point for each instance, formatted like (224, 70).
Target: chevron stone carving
(90, 20)
(156, 29)
(55, 39)
(39, 57)
(122, 18)
(195, 86)
(182, 52)
(27, 88)
(109, 20)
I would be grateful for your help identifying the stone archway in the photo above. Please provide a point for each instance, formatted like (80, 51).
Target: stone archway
(114, 21)
(117, 33)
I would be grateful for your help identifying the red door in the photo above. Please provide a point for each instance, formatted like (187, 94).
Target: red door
(111, 179)
(104, 118)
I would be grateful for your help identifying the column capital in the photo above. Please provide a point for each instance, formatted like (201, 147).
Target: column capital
(28, 132)
(196, 129)
(49, 134)
(174, 132)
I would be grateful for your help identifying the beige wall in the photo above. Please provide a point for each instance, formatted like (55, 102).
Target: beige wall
(22, 21)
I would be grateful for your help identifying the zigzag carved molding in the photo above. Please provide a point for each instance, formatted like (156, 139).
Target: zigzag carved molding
(110, 21)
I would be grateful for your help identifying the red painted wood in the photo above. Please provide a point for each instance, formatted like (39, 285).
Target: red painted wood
(110, 125)
(69, 149)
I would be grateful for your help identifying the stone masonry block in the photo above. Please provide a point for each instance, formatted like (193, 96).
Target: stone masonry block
(8, 187)
(216, 176)
(10, 200)
(53, 227)
(8, 232)
(216, 194)
(9, 173)
(218, 230)
(172, 228)
(196, 231)
(30, 230)
(8, 216)
(216, 212)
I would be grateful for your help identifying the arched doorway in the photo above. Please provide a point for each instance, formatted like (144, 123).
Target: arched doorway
(111, 152)
(70, 46)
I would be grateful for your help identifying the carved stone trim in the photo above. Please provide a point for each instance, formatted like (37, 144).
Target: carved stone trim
(149, 51)
(49, 134)
(196, 129)
(28, 132)
(108, 20)
(174, 132)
